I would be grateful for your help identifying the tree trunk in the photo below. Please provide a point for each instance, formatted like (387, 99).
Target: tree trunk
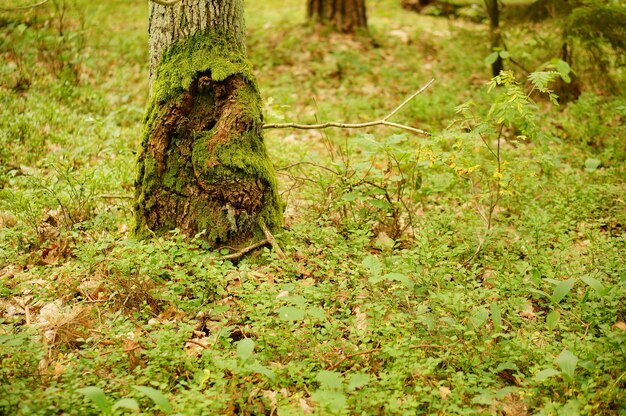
(203, 167)
(344, 15)
(496, 37)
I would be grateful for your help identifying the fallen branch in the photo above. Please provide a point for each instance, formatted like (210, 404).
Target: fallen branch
(116, 196)
(382, 122)
(32, 6)
(165, 2)
(244, 251)
(191, 341)
(338, 363)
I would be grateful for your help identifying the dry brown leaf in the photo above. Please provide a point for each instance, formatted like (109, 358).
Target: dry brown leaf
(360, 319)
(194, 346)
(513, 406)
(444, 392)
(488, 278)
(620, 325)
(401, 35)
(528, 312)
(305, 406)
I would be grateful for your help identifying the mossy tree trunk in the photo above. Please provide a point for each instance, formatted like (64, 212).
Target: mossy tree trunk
(203, 167)
(344, 15)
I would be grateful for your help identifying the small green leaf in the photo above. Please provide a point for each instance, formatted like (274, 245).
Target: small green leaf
(563, 67)
(357, 380)
(571, 408)
(595, 284)
(506, 366)
(504, 54)
(372, 264)
(496, 317)
(485, 398)
(334, 401)
(552, 319)
(399, 277)
(479, 317)
(126, 403)
(547, 373)
(97, 396)
(316, 312)
(157, 397)
(379, 203)
(245, 348)
(491, 58)
(562, 289)
(567, 363)
(539, 292)
(290, 313)
(350, 197)
(329, 379)
(592, 164)
(261, 369)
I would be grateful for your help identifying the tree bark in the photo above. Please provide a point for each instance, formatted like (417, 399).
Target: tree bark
(203, 167)
(494, 32)
(344, 15)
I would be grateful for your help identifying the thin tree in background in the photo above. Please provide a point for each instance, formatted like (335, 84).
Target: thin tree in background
(496, 37)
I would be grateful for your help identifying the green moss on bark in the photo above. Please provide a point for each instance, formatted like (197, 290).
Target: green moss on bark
(212, 52)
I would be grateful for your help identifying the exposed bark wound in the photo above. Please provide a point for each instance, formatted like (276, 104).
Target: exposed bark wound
(186, 188)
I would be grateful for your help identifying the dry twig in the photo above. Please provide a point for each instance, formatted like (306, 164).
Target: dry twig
(244, 251)
(382, 122)
(32, 6)
(338, 363)
(165, 2)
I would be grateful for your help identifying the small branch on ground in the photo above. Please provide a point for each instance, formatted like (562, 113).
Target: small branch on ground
(32, 6)
(165, 2)
(116, 196)
(191, 341)
(244, 251)
(476, 252)
(382, 122)
(347, 357)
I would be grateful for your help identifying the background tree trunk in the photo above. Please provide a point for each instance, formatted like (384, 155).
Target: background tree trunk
(345, 15)
(203, 167)
(493, 12)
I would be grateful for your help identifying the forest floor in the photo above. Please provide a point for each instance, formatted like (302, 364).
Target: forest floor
(466, 272)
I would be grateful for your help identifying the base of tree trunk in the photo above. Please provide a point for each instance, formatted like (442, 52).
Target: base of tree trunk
(345, 16)
(203, 167)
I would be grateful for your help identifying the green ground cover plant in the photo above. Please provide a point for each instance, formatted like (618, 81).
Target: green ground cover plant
(478, 270)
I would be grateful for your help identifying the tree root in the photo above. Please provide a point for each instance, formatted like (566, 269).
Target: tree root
(268, 235)
(269, 240)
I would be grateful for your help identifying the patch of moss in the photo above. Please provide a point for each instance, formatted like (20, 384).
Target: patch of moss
(210, 51)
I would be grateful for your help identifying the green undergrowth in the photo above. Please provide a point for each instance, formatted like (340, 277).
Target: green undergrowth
(396, 295)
